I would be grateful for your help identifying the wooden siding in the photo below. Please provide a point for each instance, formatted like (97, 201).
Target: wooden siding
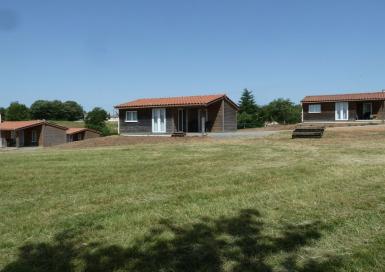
(230, 117)
(328, 111)
(52, 136)
(90, 134)
(215, 117)
(28, 136)
(144, 124)
(46, 136)
(222, 116)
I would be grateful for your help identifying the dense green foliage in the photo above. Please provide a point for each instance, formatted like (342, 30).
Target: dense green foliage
(249, 111)
(268, 204)
(247, 103)
(57, 110)
(282, 111)
(96, 119)
(2, 112)
(17, 112)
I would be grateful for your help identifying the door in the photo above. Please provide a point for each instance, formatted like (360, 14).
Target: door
(342, 110)
(366, 110)
(34, 138)
(159, 120)
(181, 118)
(21, 137)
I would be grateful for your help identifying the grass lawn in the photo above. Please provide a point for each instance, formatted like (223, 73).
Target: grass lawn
(272, 204)
(113, 126)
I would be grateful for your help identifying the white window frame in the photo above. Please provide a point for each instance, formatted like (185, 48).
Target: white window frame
(336, 112)
(133, 113)
(154, 129)
(313, 111)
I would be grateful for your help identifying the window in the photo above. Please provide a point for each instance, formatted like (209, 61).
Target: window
(131, 116)
(34, 137)
(315, 108)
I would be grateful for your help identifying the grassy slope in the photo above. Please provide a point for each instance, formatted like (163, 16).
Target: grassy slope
(266, 203)
(113, 126)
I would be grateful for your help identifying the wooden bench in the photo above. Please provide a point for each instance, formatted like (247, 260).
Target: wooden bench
(308, 132)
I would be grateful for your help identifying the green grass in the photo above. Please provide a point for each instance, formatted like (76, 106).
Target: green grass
(76, 124)
(270, 204)
(113, 126)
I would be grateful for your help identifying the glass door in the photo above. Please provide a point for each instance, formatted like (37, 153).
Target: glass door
(159, 120)
(181, 120)
(342, 111)
(21, 137)
(366, 111)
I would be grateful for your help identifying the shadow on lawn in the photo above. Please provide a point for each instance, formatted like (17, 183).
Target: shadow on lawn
(237, 243)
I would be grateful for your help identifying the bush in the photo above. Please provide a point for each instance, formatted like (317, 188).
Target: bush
(96, 119)
(282, 111)
(246, 120)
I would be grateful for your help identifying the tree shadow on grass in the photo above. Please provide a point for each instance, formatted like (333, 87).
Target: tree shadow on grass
(239, 243)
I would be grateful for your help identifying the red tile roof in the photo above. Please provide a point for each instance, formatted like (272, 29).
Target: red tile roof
(345, 97)
(15, 125)
(78, 130)
(200, 100)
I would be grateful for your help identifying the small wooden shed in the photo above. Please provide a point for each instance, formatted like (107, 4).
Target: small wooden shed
(31, 133)
(79, 134)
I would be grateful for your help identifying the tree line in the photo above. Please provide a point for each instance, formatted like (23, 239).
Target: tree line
(282, 111)
(57, 110)
(44, 109)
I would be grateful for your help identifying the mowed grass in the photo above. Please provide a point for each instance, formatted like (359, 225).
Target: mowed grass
(113, 126)
(271, 204)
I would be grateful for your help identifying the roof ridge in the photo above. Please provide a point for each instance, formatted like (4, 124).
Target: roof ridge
(183, 96)
(174, 100)
(360, 93)
(345, 97)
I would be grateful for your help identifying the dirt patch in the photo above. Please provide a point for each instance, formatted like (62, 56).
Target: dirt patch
(129, 140)
(270, 128)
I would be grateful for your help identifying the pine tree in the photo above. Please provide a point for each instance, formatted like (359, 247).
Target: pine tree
(247, 103)
(249, 112)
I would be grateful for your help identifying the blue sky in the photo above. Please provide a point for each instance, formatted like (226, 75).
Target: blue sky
(101, 52)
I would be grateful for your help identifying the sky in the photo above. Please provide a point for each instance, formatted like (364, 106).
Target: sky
(102, 53)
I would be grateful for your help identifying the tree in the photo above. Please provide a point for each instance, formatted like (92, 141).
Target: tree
(282, 111)
(72, 111)
(96, 119)
(42, 109)
(247, 103)
(57, 110)
(17, 112)
(249, 111)
(2, 113)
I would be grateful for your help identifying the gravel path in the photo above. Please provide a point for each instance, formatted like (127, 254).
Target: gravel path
(243, 134)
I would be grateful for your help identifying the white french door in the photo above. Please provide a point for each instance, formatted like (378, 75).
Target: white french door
(342, 110)
(159, 120)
